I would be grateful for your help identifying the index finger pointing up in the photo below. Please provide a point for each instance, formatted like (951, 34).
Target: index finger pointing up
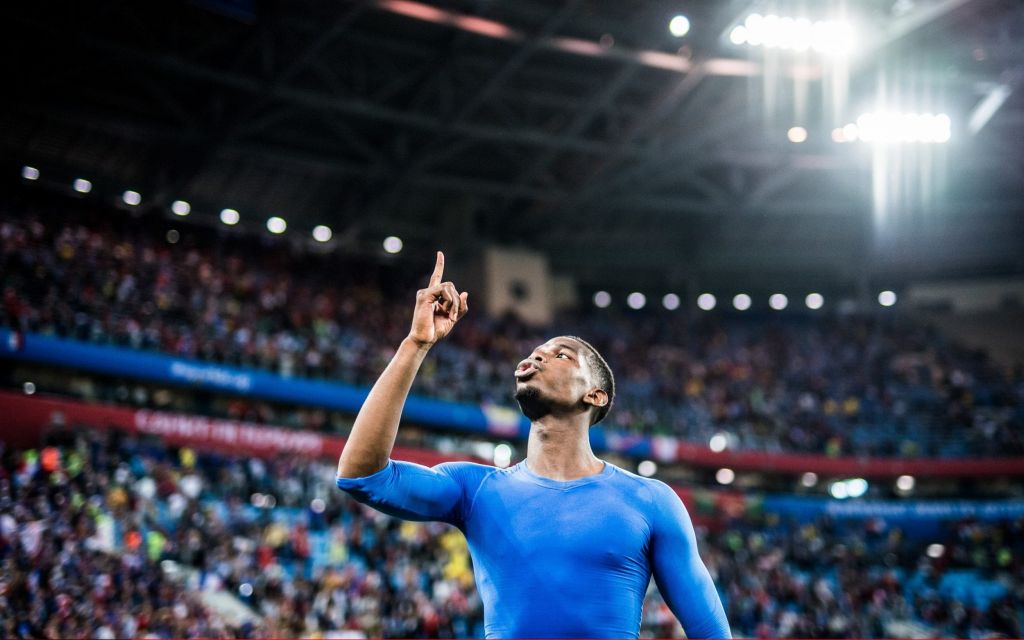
(435, 278)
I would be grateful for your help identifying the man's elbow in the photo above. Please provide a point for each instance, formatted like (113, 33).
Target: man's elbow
(350, 469)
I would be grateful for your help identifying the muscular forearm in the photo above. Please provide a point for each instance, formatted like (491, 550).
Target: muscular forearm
(438, 308)
(373, 434)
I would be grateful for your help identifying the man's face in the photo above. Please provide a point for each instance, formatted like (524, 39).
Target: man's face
(556, 379)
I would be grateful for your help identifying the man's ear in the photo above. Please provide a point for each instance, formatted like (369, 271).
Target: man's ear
(596, 398)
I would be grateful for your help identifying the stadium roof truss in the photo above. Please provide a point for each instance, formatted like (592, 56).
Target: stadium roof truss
(581, 128)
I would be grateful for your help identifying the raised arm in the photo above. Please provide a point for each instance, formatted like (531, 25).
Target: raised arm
(681, 576)
(368, 449)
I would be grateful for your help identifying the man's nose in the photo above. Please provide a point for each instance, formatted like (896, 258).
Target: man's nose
(538, 356)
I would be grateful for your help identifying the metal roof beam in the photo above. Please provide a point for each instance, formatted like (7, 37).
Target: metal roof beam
(359, 107)
(416, 165)
(577, 47)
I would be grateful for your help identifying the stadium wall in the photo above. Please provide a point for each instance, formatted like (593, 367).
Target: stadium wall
(491, 420)
(27, 418)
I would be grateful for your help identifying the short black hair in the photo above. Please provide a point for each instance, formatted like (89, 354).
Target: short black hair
(605, 379)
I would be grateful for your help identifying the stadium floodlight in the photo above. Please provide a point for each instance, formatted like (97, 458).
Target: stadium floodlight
(245, 589)
(602, 299)
(647, 468)
(829, 37)
(809, 479)
(814, 301)
(887, 298)
(706, 301)
(29, 173)
(276, 225)
(29, 388)
(679, 26)
(797, 135)
(718, 442)
(892, 127)
(778, 301)
(725, 476)
(832, 37)
(322, 233)
(905, 483)
(856, 487)
(502, 455)
(935, 551)
(838, 490)
(392, 244)
(741, 301)
(229, 217)
(173, 236)
(636, 300)
(317, 505)
(81, 185)
(670, 301)
(181, 208)
(131, 198)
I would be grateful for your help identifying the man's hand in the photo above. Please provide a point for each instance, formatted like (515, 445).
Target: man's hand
(438, 308)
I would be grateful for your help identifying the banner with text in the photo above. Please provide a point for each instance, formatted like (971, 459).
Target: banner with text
(487, 419)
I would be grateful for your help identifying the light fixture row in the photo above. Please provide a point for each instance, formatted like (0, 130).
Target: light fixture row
(741, 301)
(230, 217)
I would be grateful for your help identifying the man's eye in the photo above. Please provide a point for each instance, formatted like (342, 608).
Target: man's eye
(562, 355)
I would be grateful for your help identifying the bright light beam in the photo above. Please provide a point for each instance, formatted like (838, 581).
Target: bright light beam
(988, 107)
(830, 37)
(886, 127)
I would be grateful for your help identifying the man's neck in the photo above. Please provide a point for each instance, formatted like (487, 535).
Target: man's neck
(559, 449)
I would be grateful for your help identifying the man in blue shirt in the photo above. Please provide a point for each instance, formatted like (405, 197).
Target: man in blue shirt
(563, 543)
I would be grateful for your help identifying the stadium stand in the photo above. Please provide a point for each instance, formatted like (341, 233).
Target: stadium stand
(106, 534)
(879, 386)
(792, 228)
(112, 534)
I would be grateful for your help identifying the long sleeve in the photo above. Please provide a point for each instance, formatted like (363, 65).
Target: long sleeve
(414, 492)
(679, 572)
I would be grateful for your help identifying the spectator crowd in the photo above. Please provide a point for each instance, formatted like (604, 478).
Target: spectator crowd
(106, 535)
(833, 384)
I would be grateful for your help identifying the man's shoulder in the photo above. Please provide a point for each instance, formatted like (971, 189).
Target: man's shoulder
(655, 490)
(467, 473)
(635, 478)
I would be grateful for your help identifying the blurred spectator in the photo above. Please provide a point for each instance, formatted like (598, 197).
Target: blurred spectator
(835, 385)
(88, 539)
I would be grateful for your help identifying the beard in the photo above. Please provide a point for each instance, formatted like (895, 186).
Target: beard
(531, 402)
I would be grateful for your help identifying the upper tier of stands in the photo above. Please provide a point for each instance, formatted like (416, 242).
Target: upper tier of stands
(832, 384)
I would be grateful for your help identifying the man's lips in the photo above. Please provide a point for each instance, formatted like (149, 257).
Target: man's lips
(526, 370)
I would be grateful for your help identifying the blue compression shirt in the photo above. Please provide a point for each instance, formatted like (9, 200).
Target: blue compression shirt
(559, 559)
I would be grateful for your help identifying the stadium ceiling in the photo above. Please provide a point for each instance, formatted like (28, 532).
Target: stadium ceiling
(582, 129)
